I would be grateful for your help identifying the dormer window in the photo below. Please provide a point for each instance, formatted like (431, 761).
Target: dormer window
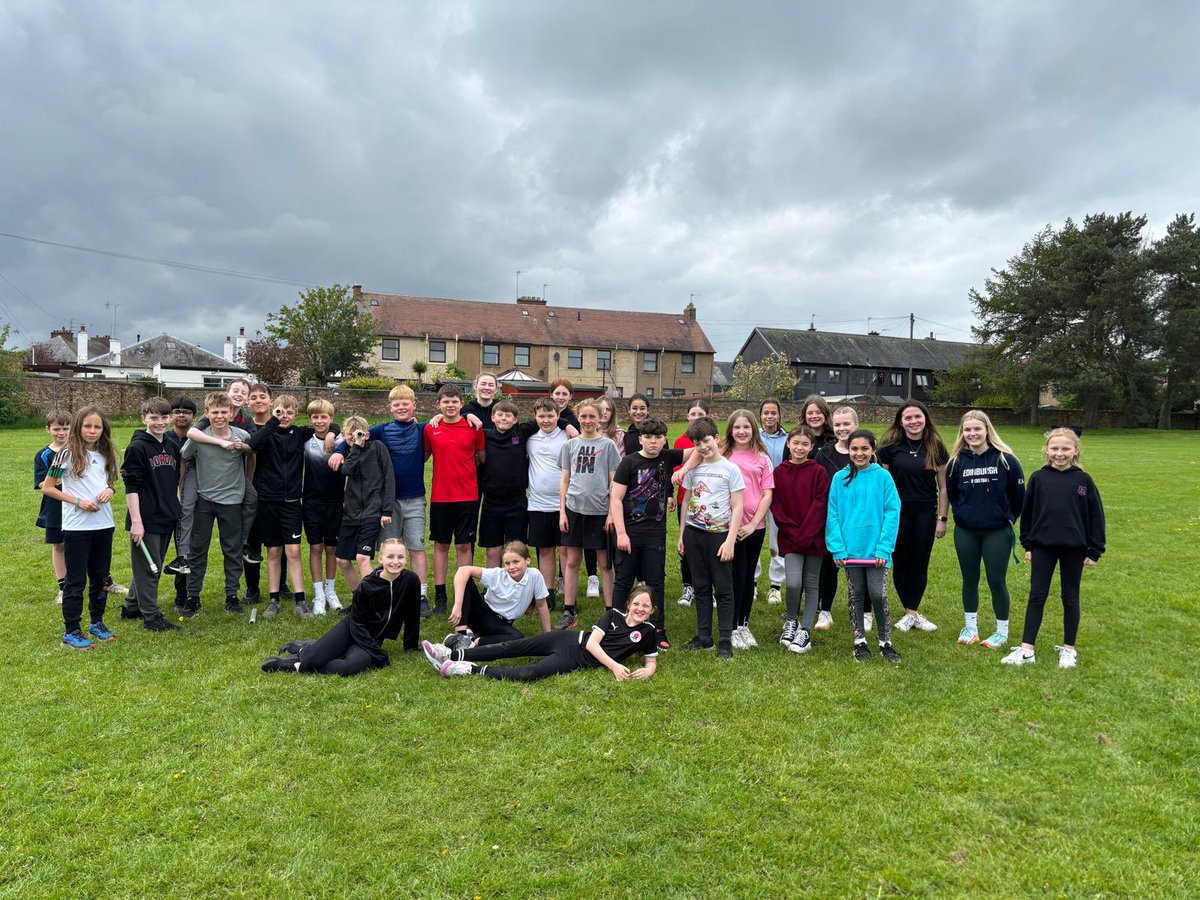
(525, 312)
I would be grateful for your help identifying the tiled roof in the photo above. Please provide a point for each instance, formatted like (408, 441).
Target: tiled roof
(63, 351)
(170, 352)
(476, 320)
(825, 348)
(722, 374)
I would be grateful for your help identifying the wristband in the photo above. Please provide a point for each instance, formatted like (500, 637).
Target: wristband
(943, 518)
(77, 503)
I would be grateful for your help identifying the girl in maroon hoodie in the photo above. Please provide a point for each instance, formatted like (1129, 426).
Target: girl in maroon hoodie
(801, 493)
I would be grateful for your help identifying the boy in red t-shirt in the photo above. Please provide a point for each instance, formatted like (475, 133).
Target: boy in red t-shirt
(456, 449)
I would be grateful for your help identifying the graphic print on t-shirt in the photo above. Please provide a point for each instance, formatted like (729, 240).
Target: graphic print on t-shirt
(585, 459)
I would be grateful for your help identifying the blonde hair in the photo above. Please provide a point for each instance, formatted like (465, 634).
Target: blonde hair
(320, 405)
(844, 411)
(609, 430)
(391, 540)
(401, 392)
(594, 404)
(517, 547)
(1067, 433)
(217, 400)
(993, 439)
(287, 401)
(354, 422)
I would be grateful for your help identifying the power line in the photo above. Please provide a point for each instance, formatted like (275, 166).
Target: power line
(32, 302)
(193, 267)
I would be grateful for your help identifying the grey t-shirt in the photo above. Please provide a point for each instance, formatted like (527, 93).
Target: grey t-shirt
(591, 464)
(220, 474)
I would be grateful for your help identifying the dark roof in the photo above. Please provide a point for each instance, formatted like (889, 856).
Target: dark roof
(825, 348)
(722, 375)
(476, 320)
(168, 351)
(62, 350)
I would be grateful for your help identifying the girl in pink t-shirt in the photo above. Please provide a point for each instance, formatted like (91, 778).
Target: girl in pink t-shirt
(744, 448)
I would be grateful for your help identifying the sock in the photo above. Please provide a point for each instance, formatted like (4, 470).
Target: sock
(299, 597)
(774, 587)
(423, 586)
(569, 607)
(319, 590)
(439, 593)
(62, 582)
(1002, 627)
(863, 642)
(972, 620)
(552, 596)
(274, 596)
(329, 586)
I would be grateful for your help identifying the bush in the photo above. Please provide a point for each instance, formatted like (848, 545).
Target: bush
(368, 383)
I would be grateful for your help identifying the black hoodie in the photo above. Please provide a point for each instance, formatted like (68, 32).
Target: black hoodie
(151, 470)
(1063, 509)
(370, 481)
(376, 614)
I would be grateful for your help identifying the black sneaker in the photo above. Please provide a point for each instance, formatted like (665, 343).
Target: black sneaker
(697, 643)
(253, 598)
(567, 621)
(862, 652)
(191, 608)
(160, 625)
(174, 567)
(888, 652)
(439, 608)
(233, 604)
(249, 556)
(127, 613)
(663, 643)
(458, 641)
(790, 627)
(426, 612)
(280, 664)
(293, 648)
(725, 650)
(802, 642)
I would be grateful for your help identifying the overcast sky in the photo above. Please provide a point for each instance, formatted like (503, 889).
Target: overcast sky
(778, 160)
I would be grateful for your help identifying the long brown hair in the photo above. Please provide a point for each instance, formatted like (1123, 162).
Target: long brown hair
(756, 441)
(823, 405)
(104, 446)
(930, 439)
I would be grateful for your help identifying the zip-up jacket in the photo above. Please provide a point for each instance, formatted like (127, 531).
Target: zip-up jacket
(1063, 509)
(370, 482)
(984, 493)
(150, 469)
(863, 516)
(279, 460)
(376, 611)
(776, 445)
(799, 505)
(405, 443)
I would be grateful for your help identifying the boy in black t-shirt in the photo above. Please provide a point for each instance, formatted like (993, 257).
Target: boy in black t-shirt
(503, 480)
(641, 490)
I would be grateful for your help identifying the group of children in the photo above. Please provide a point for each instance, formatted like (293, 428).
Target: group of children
(822, 496)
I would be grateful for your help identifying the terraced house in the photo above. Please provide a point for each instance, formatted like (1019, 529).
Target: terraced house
(620, 351)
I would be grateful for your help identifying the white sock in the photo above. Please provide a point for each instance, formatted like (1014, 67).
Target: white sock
(318, 591)
(329, 586)
(422, 592)
(1002, 627)
(972, 620)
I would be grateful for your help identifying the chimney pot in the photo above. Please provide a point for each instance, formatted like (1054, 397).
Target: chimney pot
(356, 290)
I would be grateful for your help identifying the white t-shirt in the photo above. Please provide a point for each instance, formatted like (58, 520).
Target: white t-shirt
(544, 472)
(509, 598)
(86, 487)
(711, 485)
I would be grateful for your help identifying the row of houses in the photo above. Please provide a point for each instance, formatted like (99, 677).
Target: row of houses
(529, 343)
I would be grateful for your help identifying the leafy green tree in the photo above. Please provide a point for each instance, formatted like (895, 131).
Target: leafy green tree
(769, 377)
(14, 398)
(1175, 260)
(332, 330)
(272, 361)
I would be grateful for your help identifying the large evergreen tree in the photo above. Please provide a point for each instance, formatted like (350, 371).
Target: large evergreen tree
(1175, 260)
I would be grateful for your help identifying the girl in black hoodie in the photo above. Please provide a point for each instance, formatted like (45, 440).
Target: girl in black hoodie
(1062, 523)
(384, 602)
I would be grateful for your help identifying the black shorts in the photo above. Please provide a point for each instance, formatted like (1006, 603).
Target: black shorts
(501, 521)
(543, 529)
(357, 537)
(279, 522)
(53, 535)
(453, 523)
(585, 531)
(322, 523)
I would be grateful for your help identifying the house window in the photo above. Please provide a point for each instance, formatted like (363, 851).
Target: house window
(835, 374)
(650, 361)
(437, 351)
(687, 363)
(491, 354)
(574, 358)
(897, 379)
(923, 381)
(858, 376)
(650, 393)
(211, 382)
(603, 360)
(521, 356)
(391, 348)
(808, 375)
(171, 345)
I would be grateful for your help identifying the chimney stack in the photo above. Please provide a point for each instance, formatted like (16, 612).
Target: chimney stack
(689, 313)
(114, 348)
(531, 301)
(228, 352)
(356, 290)
(81, 344)
(240, 347)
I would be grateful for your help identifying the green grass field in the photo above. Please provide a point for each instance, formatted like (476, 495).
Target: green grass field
(169, 765)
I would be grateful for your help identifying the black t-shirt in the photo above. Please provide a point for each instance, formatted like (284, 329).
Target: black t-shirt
(647, 486)
(504, 474)
(832, 461)
(906, 462)
(482, 413)
(622, 640)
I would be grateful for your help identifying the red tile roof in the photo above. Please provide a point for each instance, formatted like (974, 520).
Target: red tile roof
(474, 320)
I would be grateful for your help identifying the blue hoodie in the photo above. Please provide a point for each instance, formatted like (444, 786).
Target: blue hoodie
(776, 445)
(863, 517)
(987, 490)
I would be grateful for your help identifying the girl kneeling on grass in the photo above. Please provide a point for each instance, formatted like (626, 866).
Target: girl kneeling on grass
(1062, 523)
(488, 619)
(617, 636)
(385, 601)
(861, 524)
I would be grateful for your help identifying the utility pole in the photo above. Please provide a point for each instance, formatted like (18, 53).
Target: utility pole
(912, 323)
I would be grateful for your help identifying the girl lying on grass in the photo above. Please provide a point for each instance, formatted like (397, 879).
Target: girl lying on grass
(617, 636)
(385, 601)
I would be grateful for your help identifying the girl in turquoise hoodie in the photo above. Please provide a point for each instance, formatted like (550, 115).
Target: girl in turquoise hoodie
(861, 524)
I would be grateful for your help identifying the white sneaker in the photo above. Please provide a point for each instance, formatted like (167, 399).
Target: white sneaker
(739, 643)
(318, 605)
(1067, 657)
(450, 668)
(868, 621)
(774, 597)
(923, 624)
(904, 623)
(824, 620)
(748, 637)
(593, 589)
(685, 599)
(58, 599)
(332, 601)
(1019, 657)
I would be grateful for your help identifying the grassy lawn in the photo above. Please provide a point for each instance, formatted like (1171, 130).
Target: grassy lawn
(169, 765)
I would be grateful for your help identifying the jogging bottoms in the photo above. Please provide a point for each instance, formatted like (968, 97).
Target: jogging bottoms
(643, 562)
(710, 577)
(187, 510)
(143, 586)
(829, 582)
(228, 517)
(803, 575)
(1070, 572)
(336, 653)
(914, 546)
(488, 625)
(88, 557)
(867, 584)
(560, 652)
(747, 554)
(993, 546)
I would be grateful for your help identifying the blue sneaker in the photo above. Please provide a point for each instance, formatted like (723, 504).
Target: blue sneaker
(76, 641)
(100, 632)
(968, 635)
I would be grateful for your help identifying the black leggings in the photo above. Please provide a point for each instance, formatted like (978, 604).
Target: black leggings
(88, 557)
(829, 583)
(746, 554)
(488, 626)
(336, 653)
(914, 546)
(561, 652)
(1041, 570)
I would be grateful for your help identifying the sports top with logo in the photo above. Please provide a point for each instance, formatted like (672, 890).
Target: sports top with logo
(590, 462)
(620, 640)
